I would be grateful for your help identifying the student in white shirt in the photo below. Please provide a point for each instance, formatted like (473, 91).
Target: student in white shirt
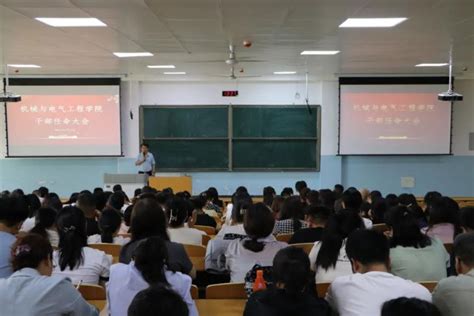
(109, 225)
(148, 267)
(46, 225)
(34, 204)
(259, 248)
(235, 228)
(328, 257)
(31, 290)
(177, 211)
(240, 193)
(351, 199)
(365, 291)
(73, 258)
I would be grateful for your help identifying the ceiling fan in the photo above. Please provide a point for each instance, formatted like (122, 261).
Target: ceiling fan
(233, 76)
(232, 60)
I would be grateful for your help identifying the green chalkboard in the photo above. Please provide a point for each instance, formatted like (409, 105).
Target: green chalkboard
(185, 122)
(268, 121)
(274, 154)
(190, 154)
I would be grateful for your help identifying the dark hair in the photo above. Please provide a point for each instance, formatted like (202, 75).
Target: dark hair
(313, 198)
(45, 218)
(98, 190)
(53, 201)
(213, 196)
(72, 198)
(145, 144)
(406, 232)
(339, 188)
(177, 212)
(391, 200)
(28, 251)
(338, 228)
(137, 192)
(293, 209)
(157, 300)
(71, 224)
(43, 192)
(327, 198)
(299, 185)
(375, 195)
(407, 199)
(286, 192)
(368, 247)
(430, 197)
(320, 214)
(467, 217)
(277, 204)
(33, 203)
(241, 205)
(117, 187)
(86, 202)
(444, 210)
(268, 195)
(117, 200)
(291, 267)
(409, 307)
(109, 222)
(127, 215)
(101, 199)
(378, 208)
(199, 201)
(463, 248)
(352, 199)
(13, 211)
(17, 193)
(303, 194)
(151, 258)
(258, 223)
(148, 219)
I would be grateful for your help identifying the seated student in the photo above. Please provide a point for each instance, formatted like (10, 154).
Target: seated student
(291, 217)
(116, 201)
(312, 198)
(109, 225)
(413, 255)
(377, 211)
(127, 216)
(235, 228)
(34, 205)
(443, 219)
(31, 290)
(53, 201)
(199, 217)
(13, 211)
(328, 257)
(327, 198)
(240, 193)
(74, 259)
(46, 225)
(292, 292)
(430, 197)
(86, 202)
(149, 267)
(213, 198)
(258, 248)
(352, 200)
(276, 207)
(374, 196)
(286, 192)
(338, 190)
(454, 295)
(316, 218)
(409, 307)
(303, 194)
(158, 300)
(391, 200)
(177, 212)
(300, 185)
(269, 194)
(365, 291)
(148, 219)
(466, 219)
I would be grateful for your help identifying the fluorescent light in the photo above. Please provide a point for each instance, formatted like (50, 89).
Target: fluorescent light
(136, 54)
(319, 52)
(284, 72)
(174, 73)
(72, 22)
(23, 66)
(432, 65)
(161, 66)
(372, 22)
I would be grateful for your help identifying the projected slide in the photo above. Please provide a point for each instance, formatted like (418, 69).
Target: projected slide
(393, 120)
(64, 121)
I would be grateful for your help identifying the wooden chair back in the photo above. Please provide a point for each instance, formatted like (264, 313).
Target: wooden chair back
(430, 285)
(305, 246)
(92, 292)
(207, 229)
(226, 291)
(322, 289)
(380, 227)
(194, 292)
(110, 249)
(205, 239)
(197, 256)
(284, 237)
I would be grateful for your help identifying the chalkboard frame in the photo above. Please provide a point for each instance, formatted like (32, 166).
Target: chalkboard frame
(230, 137)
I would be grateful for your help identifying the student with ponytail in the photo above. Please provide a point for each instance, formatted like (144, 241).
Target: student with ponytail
(73, 258)
(46, 225)
(259, 247)
(149, 267)
(109, 225)
(292, 290)
(177, 211)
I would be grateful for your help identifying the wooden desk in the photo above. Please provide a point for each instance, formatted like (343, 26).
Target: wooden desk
(220, 307)
(100, 304)
(178, 184)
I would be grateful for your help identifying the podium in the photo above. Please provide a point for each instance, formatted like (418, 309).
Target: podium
(129, 182)
(178, 183)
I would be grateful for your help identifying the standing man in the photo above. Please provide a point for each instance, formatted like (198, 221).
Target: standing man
(146, 161)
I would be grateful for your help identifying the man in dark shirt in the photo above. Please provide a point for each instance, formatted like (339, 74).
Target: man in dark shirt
(316, 218)
(86, 202)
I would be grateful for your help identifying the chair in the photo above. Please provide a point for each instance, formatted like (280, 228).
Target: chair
(284, 237)
(207, 229)
(305, 246)
(449, 247)
(430, 285)
(205, 239)
(110, 249)
(92, 292)
(382, 228)
(197, 255)
(322, 289)
(194, 292)
(226, 291)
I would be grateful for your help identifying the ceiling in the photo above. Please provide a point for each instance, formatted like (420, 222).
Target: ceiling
(187, 32)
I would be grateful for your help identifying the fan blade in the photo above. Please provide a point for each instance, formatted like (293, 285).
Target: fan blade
(206, 61)
(252, 61)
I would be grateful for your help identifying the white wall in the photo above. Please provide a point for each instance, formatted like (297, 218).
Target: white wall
(463, 119)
